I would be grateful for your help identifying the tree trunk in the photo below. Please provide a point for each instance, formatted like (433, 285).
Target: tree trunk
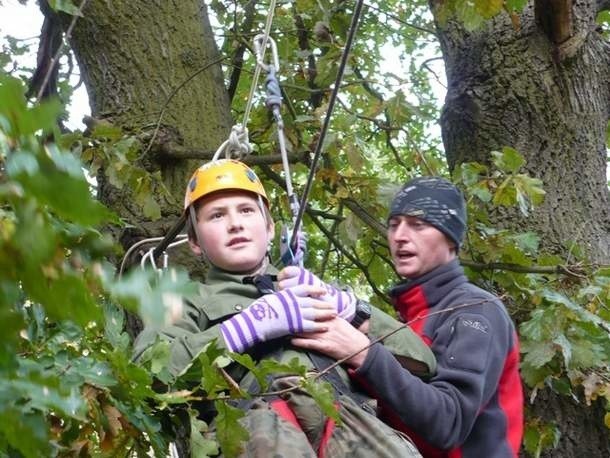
(137, 59)
(549, 101)
(519, 87)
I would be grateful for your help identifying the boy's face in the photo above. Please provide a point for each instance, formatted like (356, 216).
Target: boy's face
(233, 231)
(416, 246)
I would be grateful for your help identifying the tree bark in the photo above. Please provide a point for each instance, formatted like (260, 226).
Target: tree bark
(516, 88)
(548, 98)
(139, 59)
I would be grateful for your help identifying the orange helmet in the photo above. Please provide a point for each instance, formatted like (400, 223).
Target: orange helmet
(220, 175)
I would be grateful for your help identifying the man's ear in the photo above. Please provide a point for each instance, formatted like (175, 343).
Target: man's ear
(194, 247)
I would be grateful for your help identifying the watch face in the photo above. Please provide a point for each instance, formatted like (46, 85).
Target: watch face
(363, 308)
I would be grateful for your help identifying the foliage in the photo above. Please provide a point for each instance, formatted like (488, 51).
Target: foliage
(66, 379)
(67, 382)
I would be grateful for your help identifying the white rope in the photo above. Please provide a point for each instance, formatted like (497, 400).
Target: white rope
(148, 256)
(257, 70)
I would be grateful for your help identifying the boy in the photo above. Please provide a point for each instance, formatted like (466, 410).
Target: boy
(473, 405)
(231, 227)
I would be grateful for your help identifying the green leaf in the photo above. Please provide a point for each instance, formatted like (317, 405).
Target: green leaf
(114, 327)
(16, 118)
(322, 392)
(488, 8)
(505, 194)
(230, 434)
(538, 354)
(200, 446)
(468, 15)
(566, 348)
(528, 242)
(509, 160)
(398, 110)
(64, 5)
(515, 5)
(327, 68)
(539, 437)
(58, 182)
(151, 208)
(17, 425)
(156, 295)
(66, 297)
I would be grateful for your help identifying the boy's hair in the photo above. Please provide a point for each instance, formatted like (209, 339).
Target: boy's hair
(436, 201)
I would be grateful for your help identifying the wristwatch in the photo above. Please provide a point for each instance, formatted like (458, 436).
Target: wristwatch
(363, 313)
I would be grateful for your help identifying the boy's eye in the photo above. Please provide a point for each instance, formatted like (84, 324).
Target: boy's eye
(216, 215)
(247, 210)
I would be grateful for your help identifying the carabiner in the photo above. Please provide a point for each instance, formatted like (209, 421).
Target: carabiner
(260, 52)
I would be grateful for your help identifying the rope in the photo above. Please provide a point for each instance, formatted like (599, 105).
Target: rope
(257, 70)
(274, 103)
(331, 104)
(238, 144)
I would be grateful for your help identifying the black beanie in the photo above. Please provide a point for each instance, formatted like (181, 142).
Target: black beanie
(436, 201)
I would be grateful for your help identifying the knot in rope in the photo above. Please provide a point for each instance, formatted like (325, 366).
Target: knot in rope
(238, 144)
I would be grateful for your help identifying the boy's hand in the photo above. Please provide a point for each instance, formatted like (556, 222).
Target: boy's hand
(293, 310)
(344, 301)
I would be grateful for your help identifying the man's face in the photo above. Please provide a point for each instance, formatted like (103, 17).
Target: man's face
(233, 231)
(416, 246)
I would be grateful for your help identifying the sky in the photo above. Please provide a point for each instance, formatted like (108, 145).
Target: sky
(25, 21)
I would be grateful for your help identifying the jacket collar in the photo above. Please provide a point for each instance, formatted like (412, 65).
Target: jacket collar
(434, 285)
(216, 275)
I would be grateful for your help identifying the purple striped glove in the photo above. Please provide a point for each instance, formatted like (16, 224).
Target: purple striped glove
(276, 315)
(344, 301)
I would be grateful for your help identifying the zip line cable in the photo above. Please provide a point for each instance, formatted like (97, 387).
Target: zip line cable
(331, 104)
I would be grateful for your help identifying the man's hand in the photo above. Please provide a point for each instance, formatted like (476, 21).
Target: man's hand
(344, 301)
(290, 311)
(338, 341)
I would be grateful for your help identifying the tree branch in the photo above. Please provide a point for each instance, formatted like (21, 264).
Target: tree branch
(364, 216)
(571, 271)
(176, 151)
(303, 38)
(400, 21)
(238, 58)
(364, 269)
(329, 245)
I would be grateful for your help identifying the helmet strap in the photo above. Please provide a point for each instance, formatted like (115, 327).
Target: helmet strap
(262, 206)
(193, 222)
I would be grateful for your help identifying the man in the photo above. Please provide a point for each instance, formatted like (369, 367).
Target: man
(238, 306)
(473, 405)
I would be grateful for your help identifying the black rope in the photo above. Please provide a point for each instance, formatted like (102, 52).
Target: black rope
(170, 236)
(331, 104)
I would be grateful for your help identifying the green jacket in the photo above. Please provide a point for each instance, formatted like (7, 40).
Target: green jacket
(224, 295)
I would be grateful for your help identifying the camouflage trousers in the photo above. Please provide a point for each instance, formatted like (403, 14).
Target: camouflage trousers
(360, 434)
